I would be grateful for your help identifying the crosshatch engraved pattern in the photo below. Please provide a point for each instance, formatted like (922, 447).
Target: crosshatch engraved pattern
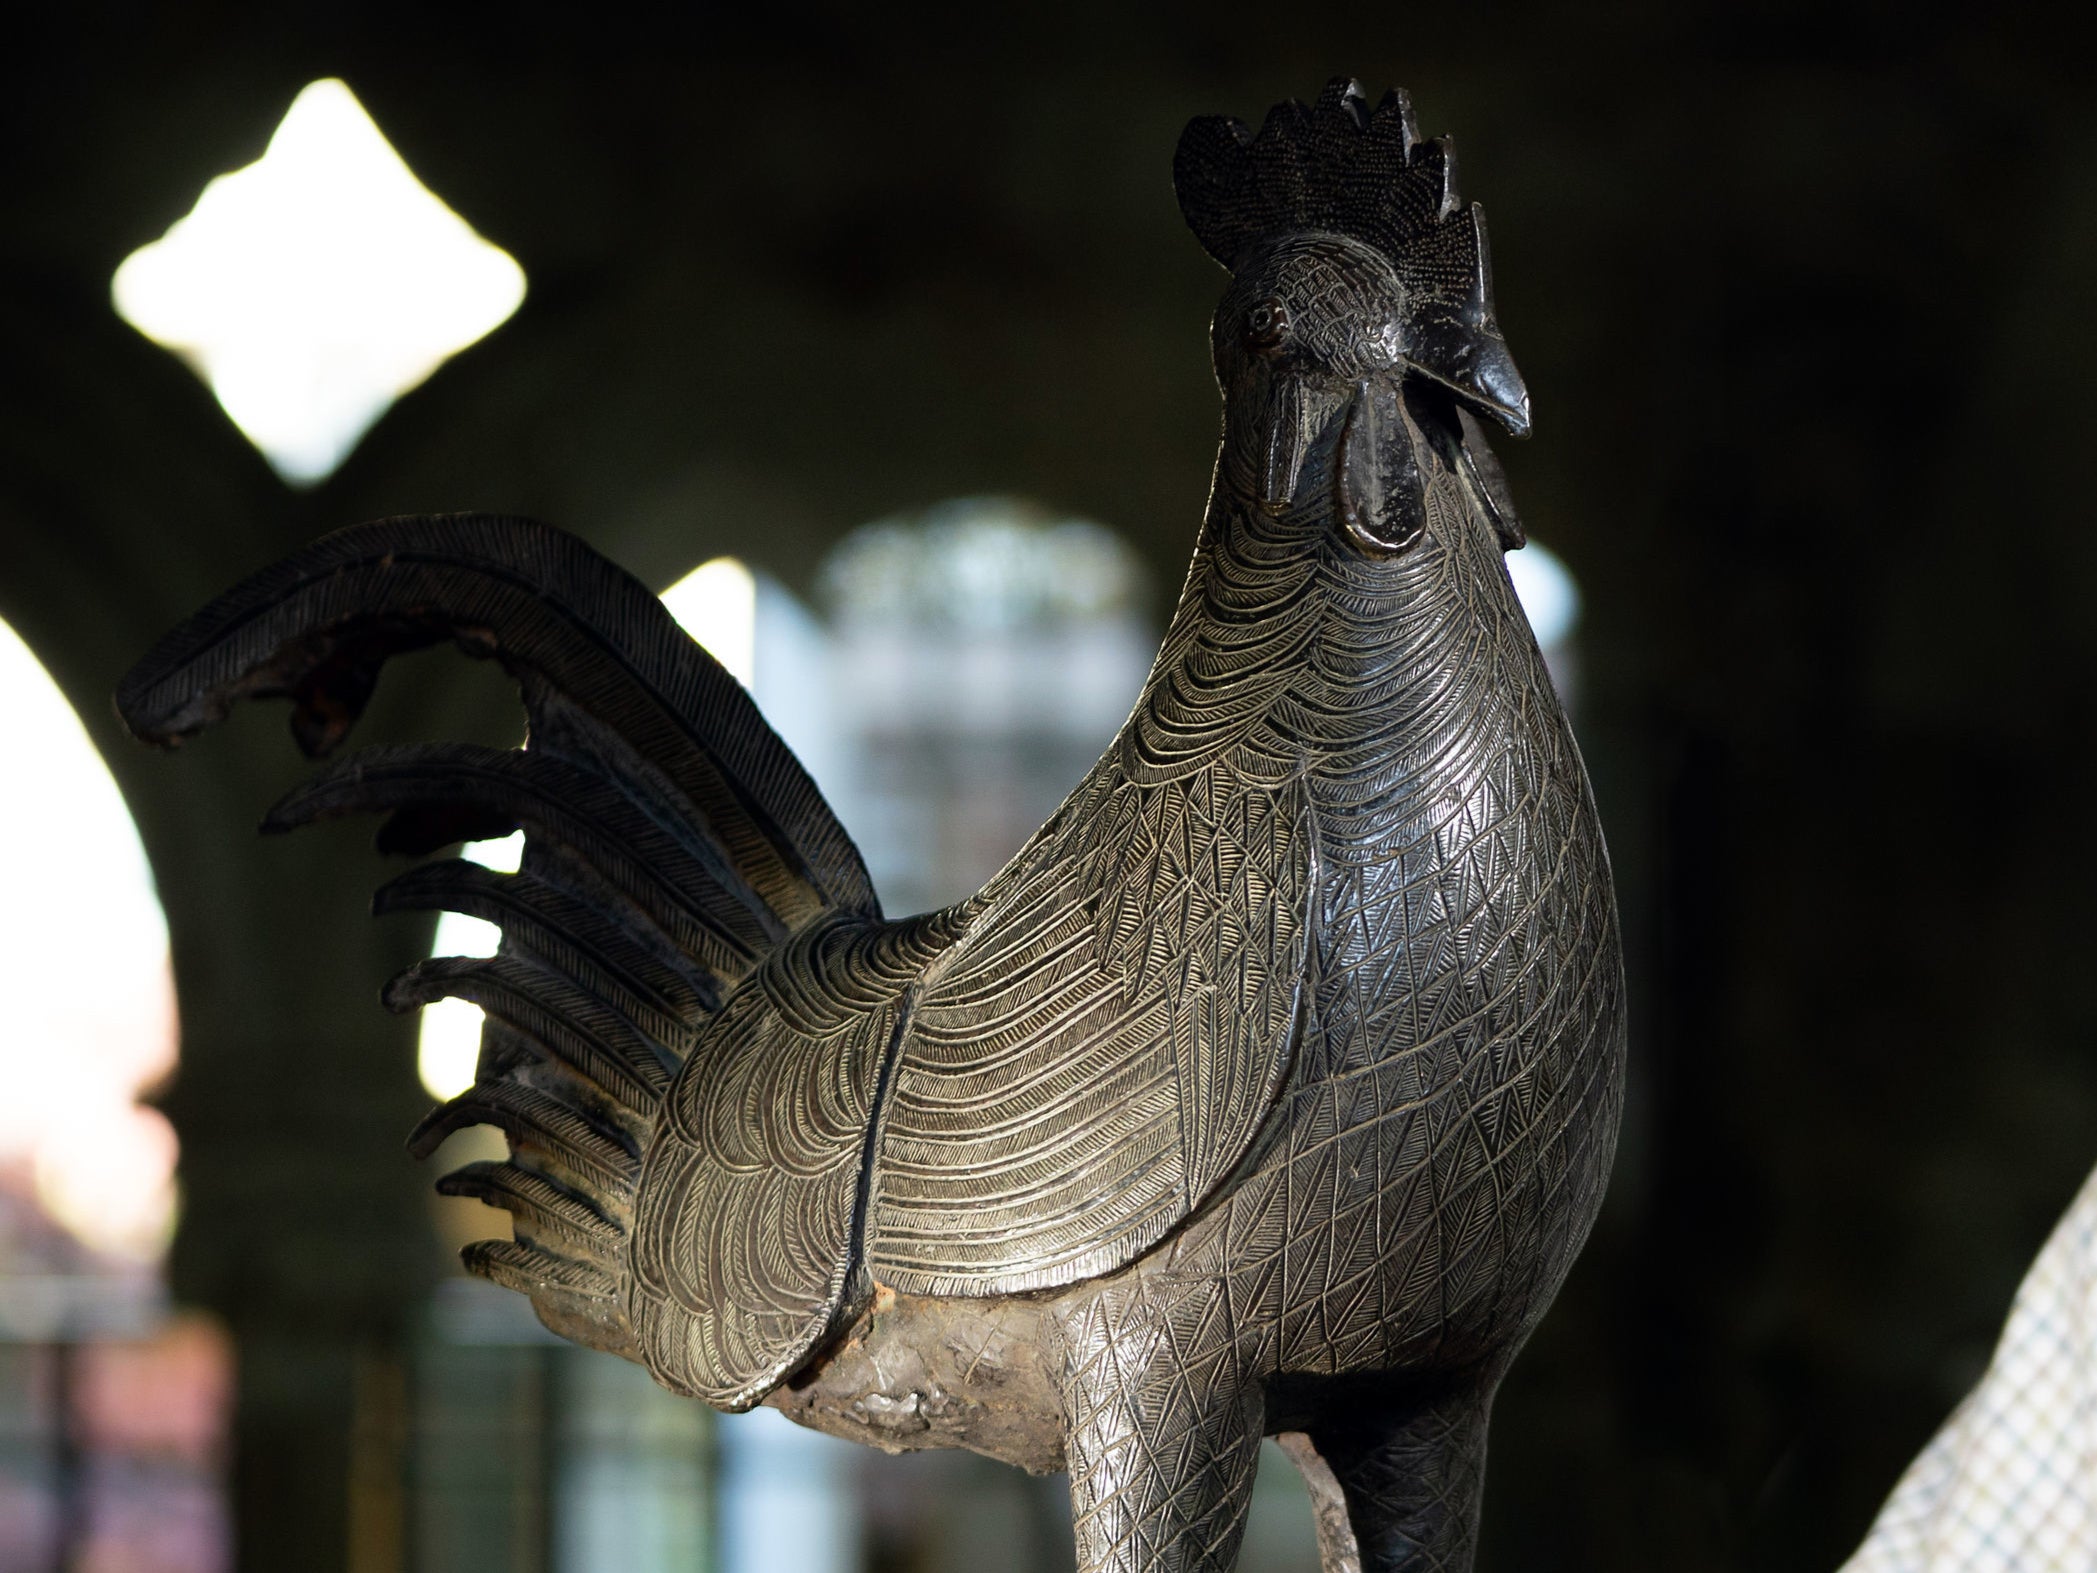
(1459, 1060)
(1094, 1056)
(1272, 1087)
(1444, 1134)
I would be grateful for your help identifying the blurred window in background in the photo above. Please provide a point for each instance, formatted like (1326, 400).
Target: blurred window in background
(316, 286)
(530, 1455)
(112, 1408)
(1550, 598)
(987, 651)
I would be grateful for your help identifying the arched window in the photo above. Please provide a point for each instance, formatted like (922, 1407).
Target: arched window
(112, 1408)
(84, 970)
(986, 651)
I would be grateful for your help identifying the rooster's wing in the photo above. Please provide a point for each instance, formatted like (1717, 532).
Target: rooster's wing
(1095, 1054)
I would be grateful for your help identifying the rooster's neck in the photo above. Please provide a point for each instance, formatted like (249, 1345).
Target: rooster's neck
(1292, 653)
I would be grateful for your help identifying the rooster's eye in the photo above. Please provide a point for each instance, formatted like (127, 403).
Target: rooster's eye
(1266, 325)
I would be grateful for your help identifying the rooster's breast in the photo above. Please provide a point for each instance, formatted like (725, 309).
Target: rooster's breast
(1441, 1147)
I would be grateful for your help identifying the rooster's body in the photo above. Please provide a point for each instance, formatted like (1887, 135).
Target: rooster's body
(1270, 1088)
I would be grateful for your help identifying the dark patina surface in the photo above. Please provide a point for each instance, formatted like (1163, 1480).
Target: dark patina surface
(1271, 1088)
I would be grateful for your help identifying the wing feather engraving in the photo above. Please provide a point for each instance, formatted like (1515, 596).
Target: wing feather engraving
(746, 1250)
(1097, 1052)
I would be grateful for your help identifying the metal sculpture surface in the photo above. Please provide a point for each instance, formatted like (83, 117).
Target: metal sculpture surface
(1271, 1087)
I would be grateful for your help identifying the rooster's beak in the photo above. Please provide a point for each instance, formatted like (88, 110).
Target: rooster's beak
(1470, 359)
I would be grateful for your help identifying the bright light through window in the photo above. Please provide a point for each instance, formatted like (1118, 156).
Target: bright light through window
(717, 605)
(84, 972)
(451, 1029)
(1547, 593)
(315, 287)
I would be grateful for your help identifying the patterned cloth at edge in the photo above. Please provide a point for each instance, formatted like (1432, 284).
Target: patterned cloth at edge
(2010, 1483)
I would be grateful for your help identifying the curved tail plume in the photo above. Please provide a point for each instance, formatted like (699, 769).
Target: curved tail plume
(671, 842)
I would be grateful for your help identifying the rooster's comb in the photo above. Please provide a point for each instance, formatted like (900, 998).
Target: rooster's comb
(1342, 168)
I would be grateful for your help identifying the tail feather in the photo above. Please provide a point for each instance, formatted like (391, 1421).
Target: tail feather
(671, 842)
(532, 1270)
(572, 814)
(594, 649)
(579, 1033)
(585, 1153)
(551, 1211)
(648, 984)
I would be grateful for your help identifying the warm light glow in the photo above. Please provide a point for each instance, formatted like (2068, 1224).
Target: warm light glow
(84, 972)
(716, 603)
(316, 286)
(450, 1046)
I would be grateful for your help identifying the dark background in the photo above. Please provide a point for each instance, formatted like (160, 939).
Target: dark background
(1806, 298)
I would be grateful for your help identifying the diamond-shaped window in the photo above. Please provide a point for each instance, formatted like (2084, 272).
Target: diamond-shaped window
(316, 286)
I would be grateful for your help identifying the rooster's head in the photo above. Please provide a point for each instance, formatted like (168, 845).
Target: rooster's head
(1358, 329)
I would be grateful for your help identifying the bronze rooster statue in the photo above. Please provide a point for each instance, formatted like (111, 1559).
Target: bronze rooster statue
(1270, 1089)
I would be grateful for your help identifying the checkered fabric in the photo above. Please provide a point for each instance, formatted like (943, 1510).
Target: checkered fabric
(2011, 1480)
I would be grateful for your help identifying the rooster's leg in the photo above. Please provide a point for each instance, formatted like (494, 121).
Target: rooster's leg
(1411, 1475)
(1161, 1430)
(1337, 1552)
